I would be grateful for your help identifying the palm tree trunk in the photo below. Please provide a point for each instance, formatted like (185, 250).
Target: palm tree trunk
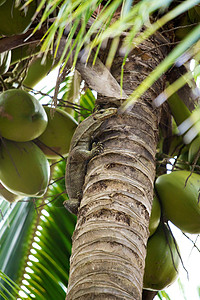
(109, 242)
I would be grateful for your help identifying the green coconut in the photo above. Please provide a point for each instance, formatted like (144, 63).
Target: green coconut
(179, 194)
(22, 117)
(162, 260)
(37, 70)
(56, 138)
(24, 168)
(155, 216)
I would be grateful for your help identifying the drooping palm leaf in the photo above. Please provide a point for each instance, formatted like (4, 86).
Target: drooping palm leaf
(14, 236)
(46, 240)
(8, 288)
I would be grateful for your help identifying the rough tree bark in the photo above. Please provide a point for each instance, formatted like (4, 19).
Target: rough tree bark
(109, 242)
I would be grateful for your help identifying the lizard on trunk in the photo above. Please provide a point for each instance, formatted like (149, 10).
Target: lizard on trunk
(80, 153)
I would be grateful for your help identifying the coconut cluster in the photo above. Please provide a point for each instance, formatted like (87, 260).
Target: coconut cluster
(30, 136)
(179, 197)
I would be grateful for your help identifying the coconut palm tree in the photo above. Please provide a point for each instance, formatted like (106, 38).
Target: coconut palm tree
(135, 55)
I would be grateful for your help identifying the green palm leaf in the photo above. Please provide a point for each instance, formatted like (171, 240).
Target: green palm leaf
(14, 237)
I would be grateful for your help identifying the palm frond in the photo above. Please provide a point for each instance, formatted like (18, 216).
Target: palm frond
(36, 246)
(163, 295)
(8, 288)
(80, 20)
(80, 16)
(15, 233)
(48, 264)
